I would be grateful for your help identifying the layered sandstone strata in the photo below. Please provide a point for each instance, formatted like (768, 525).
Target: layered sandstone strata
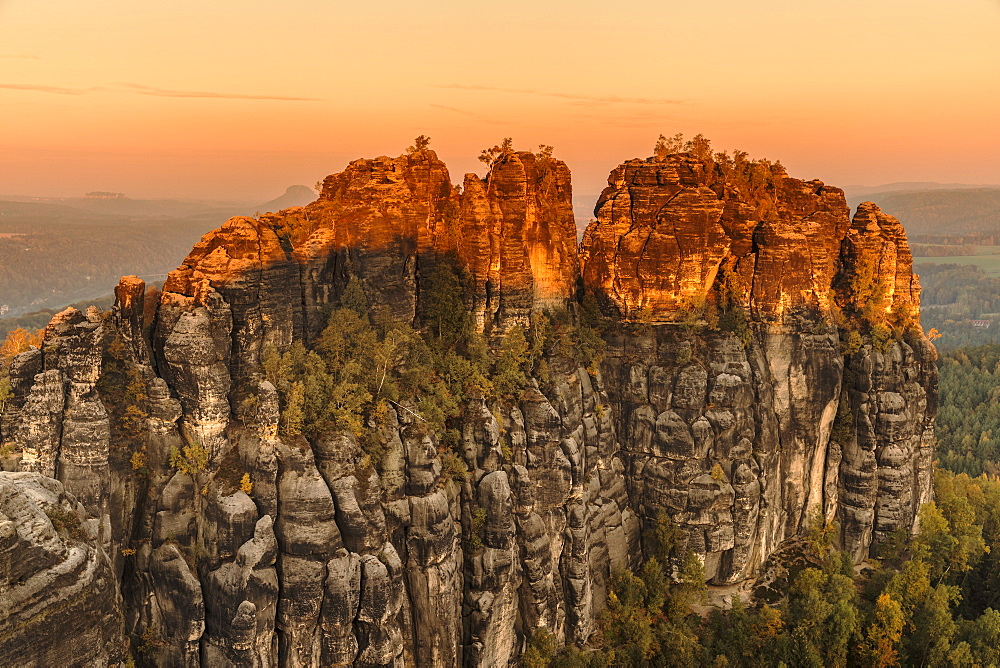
(518, 238)
(749, 422)
(61, 602)
(666, 228)
(728, 402)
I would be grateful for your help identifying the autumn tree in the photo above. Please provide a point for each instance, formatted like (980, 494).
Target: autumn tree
(700, 146)
(419, 144)
(491, 155)
(16, 342)
(881, 637)
(668, 146)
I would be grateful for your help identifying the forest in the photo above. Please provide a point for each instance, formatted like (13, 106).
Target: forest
(952, 297)
(969, 415)
(932, 600)
(54, 256)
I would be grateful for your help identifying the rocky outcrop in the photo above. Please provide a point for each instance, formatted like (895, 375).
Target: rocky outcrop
(61, 604)
(388, 221)
(518, 238)
(666, 229)
(886, 453)
(759, 376)
(876, 268)
(749, 422)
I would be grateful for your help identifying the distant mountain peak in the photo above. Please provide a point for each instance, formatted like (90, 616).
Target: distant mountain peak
(856, 191)
(298, 195)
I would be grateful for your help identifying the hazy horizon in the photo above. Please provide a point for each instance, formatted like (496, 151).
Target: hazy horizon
(852, 190)
(234, 100)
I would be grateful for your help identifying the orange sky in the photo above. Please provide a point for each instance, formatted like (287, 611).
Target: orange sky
(233, 100)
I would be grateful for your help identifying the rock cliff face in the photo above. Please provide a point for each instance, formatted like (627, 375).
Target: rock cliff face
(666, 229)
(797, 429)
(731, 399)
(61, 603)
(518, 238)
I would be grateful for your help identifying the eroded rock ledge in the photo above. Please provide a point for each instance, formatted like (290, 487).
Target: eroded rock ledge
(733, 397)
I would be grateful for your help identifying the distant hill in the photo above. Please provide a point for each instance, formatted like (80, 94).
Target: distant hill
(860, 191)
(126, 206)
(55, 251)
(940, 211)
(294, 196)
(59, 250)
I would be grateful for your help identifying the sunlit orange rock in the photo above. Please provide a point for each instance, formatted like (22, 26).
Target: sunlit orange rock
(878, 266)
(518, 238)
(666, 227)
(388, 221)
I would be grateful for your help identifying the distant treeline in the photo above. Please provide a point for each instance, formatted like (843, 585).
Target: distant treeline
(53, 266)
(56, 255)
(940, 250)
(968, 421)
(958, 300)
(58, 251)
(970, 239)
(950, 211)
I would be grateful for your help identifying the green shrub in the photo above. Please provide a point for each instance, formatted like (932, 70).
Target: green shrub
(66, 522)
(509, 377)
(882, 337)
(541, 648)
(851, 343)
(6, 392)
(478, 527)
(453, 467)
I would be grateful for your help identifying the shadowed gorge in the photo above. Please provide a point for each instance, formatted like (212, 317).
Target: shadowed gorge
(411, 423)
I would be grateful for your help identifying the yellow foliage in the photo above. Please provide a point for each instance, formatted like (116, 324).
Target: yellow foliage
(883, 635)
(852, 343)
(191, 460)
(245, 484)
(18, 341)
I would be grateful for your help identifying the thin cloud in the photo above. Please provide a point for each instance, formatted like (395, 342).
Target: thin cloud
(58, 90)
(470, 114)
(163, 92)
(593, 99)
(138, 89)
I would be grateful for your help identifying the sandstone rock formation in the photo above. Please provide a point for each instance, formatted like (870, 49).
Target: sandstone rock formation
(61, 603)
(789, 420)
(665, 229)
(518, 238)
(729, 400)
